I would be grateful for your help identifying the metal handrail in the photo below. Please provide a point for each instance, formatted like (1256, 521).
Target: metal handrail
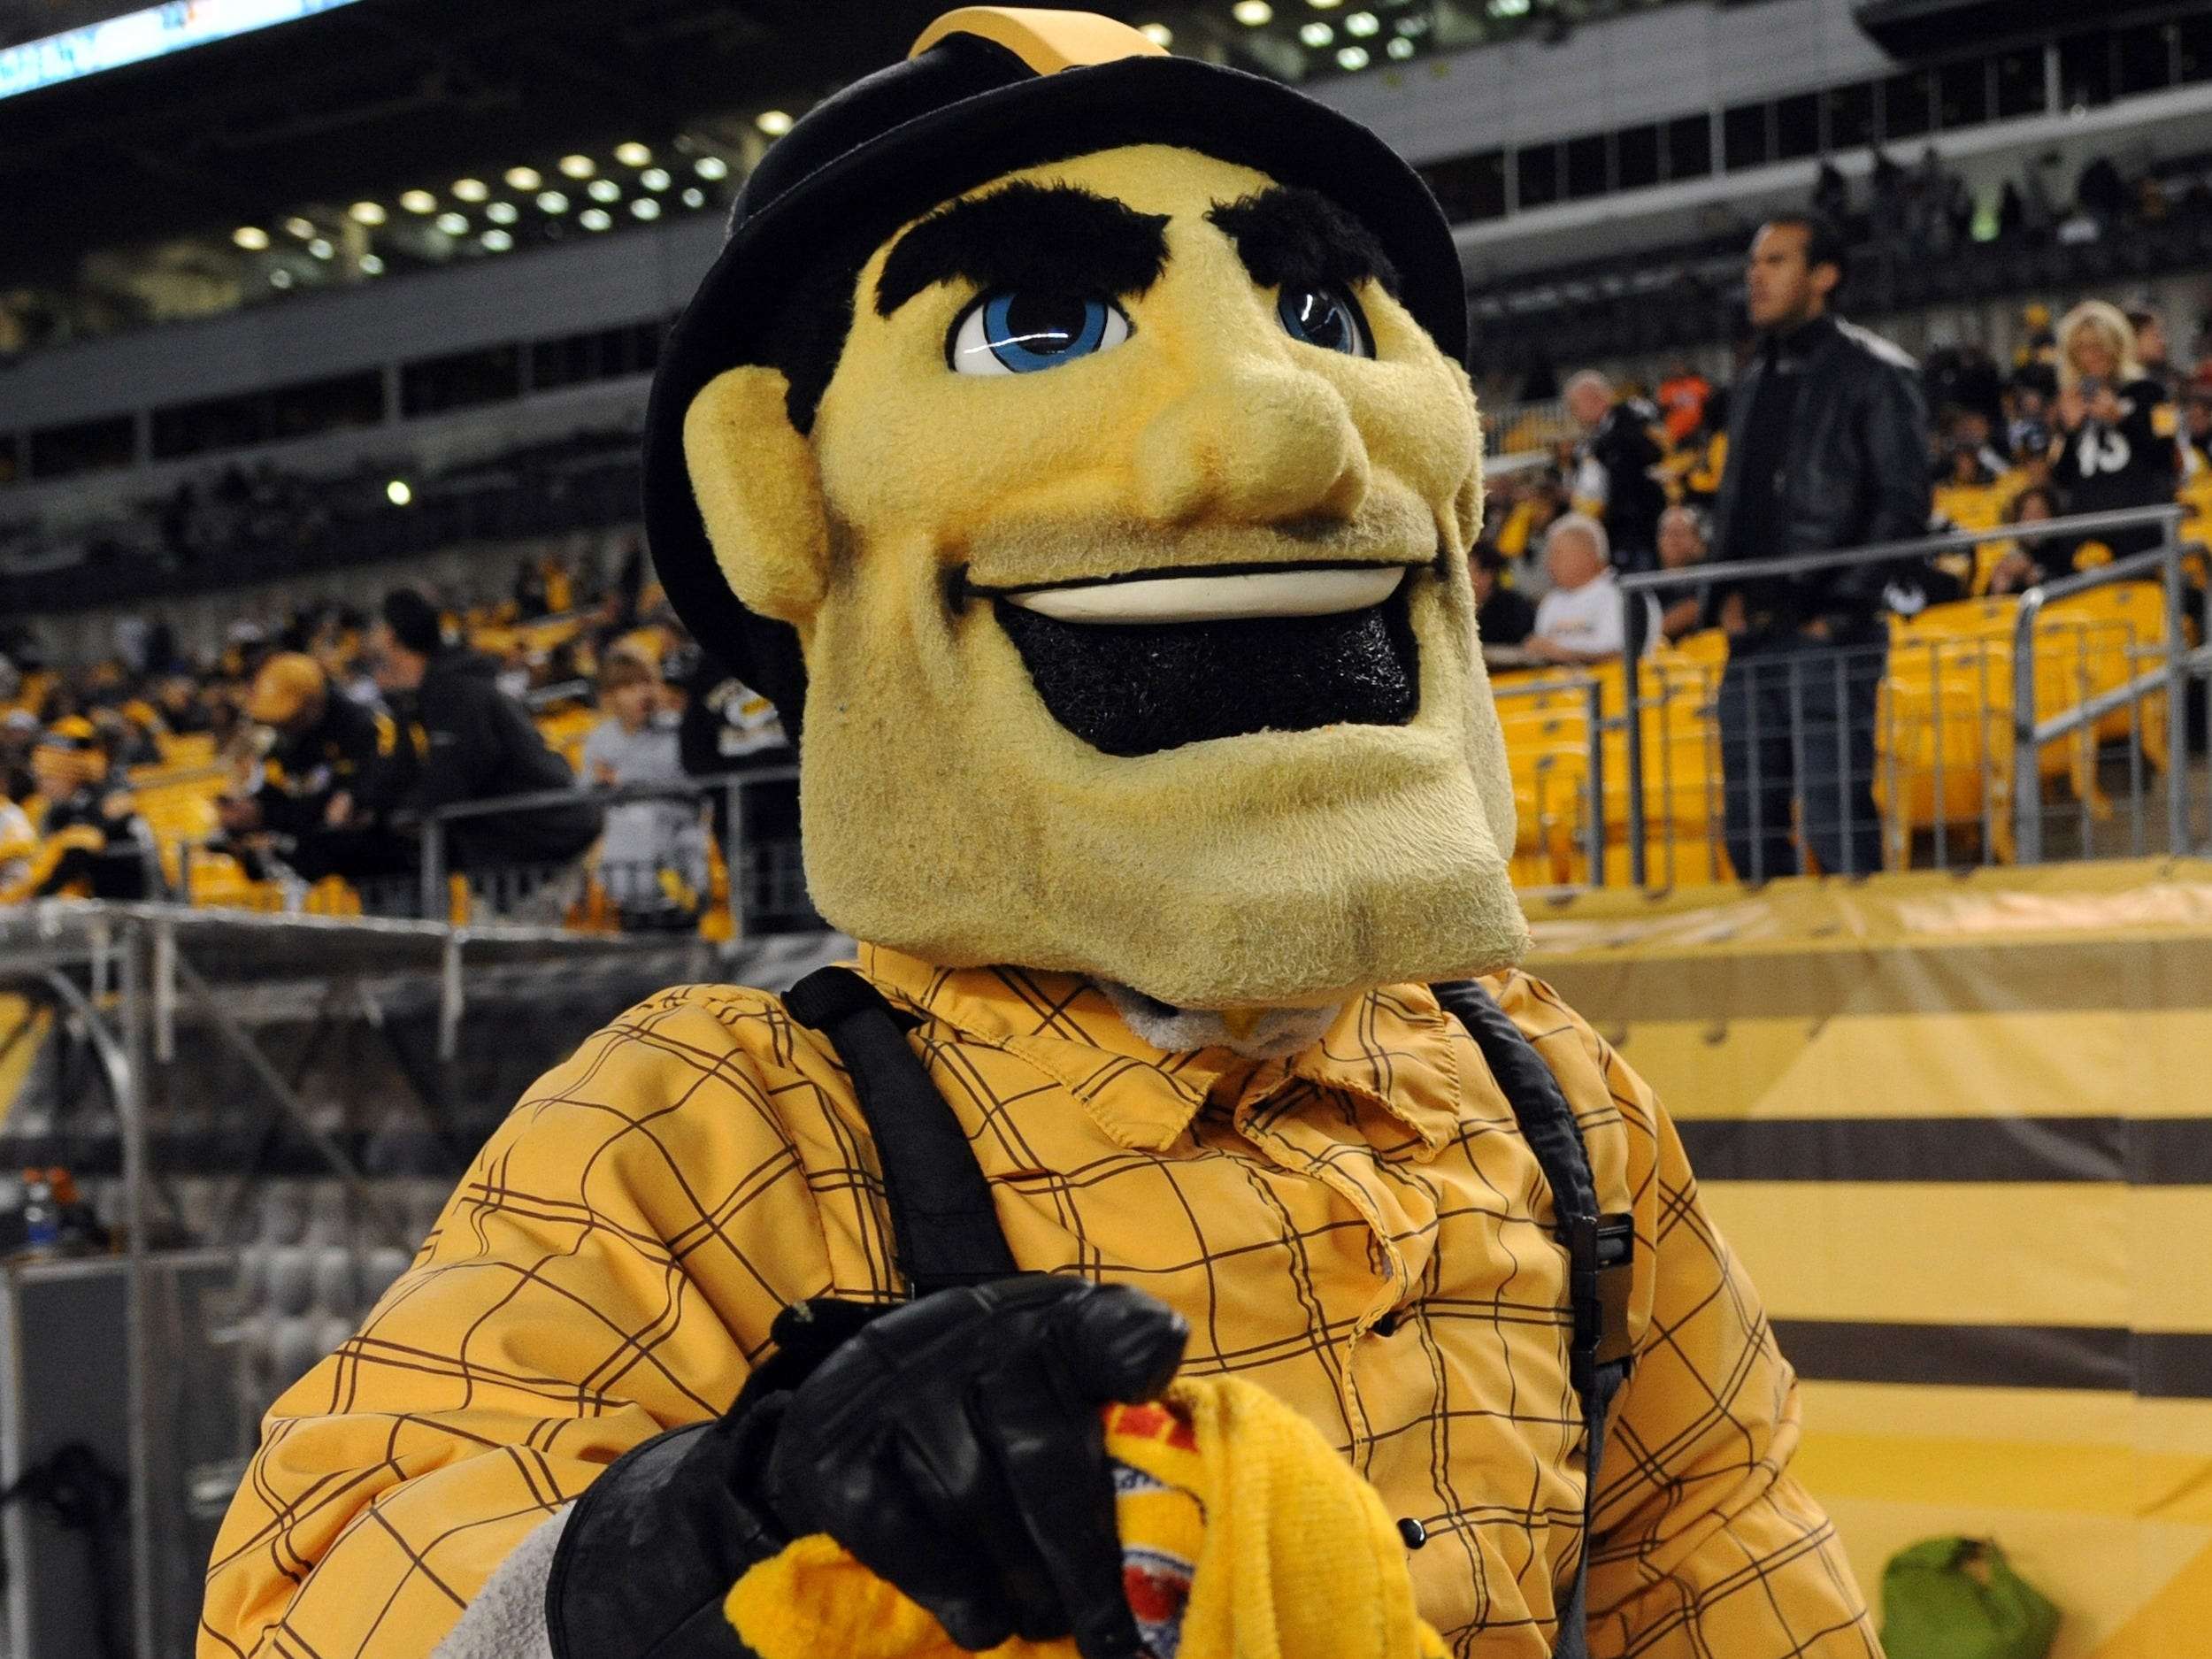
(2027, 801)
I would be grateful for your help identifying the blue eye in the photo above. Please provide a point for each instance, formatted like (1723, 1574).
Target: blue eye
(1327, 318)
(1018, 332)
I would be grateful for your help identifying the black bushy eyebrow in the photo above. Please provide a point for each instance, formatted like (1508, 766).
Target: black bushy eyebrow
(1050, 238)
(1295, 238)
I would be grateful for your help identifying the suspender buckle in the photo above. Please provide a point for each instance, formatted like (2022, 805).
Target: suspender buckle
(1601, 1271)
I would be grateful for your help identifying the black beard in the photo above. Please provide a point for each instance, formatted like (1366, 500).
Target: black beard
(1139, 687)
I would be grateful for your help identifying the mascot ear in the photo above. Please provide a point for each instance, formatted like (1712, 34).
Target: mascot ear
(755, 480)
(1467, 508)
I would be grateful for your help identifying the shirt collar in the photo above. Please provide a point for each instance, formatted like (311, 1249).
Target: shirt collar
(1394, 1047)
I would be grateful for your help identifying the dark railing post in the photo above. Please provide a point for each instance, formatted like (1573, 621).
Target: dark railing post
(2176, 698)
(433, 905)
(734, 855)
(1632, 726)
(1593, 832)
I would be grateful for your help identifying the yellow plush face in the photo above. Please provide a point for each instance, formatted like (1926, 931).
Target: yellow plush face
(1153, 659)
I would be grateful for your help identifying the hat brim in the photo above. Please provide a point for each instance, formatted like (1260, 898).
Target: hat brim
(895, 177)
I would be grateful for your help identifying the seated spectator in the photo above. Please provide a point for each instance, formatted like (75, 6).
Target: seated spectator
(465, 741)
(2020, 565)
(92, 844)
(2116, 428)
(1579, 620)
(326, 785)
(1682, 543)
(653, 857)
(1614, 466)
(1504, 617)
(2196, 432)
(728, 729)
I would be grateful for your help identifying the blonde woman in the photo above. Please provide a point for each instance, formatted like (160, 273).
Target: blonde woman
(2114, 444)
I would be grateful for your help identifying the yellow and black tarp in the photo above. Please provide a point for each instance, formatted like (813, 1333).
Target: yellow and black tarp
(1960, 1130)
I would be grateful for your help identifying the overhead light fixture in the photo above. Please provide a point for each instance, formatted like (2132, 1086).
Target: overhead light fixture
(1158, 33)
(594, 219)
(1509, 8)
(366, 213)
(1361, 23)
(502, 212)
(453, 223)
(1352, 57)
(252, 238)
(280, 278)
(1316, 34)
(633, 154)
(654, 178)
(301, 228)
(1399, 48)
(1252, 13)
(371, 265)
(523, 177)
(552, 202)
(604, 190)
(694, 198)
(471, 190)
(645, 207)
(578, 167)
(1325, 5)
(421, 201)
(712, 167)
(496, 240)
(320, 247)
(775, 123)
(399, 492)
(1412, 23)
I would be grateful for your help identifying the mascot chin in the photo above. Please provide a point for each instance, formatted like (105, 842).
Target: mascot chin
(1183, 1231)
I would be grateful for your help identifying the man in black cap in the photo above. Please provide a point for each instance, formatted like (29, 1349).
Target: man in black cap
(463, 739)
(1070, 443)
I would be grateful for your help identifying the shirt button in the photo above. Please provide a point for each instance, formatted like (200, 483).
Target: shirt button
(1413, 1532)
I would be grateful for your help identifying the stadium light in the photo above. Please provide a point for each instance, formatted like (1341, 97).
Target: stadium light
(471, 190)
(594, 219)
(775, 123)
(280, 278)
(552, 202)
(398, 492)
(694, 198)
(712, 167)
(654, 178)
(366, 213)
(645, 207)
(1158, 33)
(1316, 34)
(252, 238)
(1252, 13)
(371, 265)
(1399, 48)
(502, 212)
(498, 241)
(604, 190)
(578, 166)
(301, 228)
(1361, 23)
(523, 177)
(1352, 57)
(1325, 5)
(418, 200)
(320, 247)
(453, 223)
(633, 154)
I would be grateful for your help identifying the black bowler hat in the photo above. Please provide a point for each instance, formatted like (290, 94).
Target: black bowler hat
(987, 90)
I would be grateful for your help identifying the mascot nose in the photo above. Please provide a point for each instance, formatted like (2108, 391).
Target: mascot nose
(1265, 443)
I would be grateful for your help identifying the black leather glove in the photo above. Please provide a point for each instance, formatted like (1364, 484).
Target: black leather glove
(956, 1447)
(953, 1444)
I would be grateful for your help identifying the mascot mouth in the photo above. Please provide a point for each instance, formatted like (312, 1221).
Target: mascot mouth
(1135, 666)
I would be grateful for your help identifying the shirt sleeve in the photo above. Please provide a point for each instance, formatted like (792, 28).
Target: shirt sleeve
(559, 1314)
(1705, 1544)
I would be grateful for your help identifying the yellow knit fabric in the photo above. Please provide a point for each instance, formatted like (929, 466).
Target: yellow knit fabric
(1295, 1557)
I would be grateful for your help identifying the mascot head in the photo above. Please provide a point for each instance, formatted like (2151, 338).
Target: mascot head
(1073, 442)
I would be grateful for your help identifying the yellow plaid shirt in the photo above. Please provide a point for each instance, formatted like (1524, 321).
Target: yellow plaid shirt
(1361, 1229)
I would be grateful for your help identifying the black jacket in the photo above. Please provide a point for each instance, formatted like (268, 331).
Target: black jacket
(1613, 479)
(1853, 471)
(350, 749)
(470, 741)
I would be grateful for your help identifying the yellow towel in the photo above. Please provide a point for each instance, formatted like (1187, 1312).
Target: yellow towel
(1244, 1536)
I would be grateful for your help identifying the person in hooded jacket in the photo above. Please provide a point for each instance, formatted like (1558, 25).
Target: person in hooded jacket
(465, 740)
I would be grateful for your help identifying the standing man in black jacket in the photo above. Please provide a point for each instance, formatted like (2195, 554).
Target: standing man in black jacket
(468, 740)
(1827, 449)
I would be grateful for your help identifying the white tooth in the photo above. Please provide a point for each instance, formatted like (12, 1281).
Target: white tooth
(1314, 593)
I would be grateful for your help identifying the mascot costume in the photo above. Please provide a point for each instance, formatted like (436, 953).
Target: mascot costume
(1184, 1231)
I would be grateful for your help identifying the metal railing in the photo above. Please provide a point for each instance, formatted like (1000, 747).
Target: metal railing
(2014, 806)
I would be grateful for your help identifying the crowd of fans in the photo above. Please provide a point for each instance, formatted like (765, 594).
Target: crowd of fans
(352, 744)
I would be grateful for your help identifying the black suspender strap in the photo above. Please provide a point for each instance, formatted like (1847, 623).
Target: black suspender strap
(944, 1228)
(1601, 1251)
